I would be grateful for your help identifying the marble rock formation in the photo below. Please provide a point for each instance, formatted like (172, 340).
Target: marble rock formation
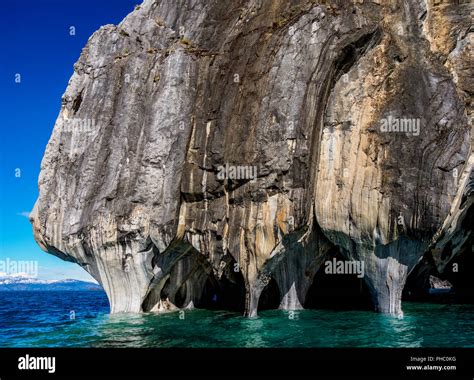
(206, 150)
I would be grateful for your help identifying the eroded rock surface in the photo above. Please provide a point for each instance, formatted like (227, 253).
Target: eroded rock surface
(301, 100)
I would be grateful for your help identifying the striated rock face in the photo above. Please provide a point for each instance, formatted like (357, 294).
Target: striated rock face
(208, 150)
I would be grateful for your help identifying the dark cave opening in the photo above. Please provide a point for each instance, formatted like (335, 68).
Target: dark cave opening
(337, 291)
(270, 297)
(459, 272)
(226, 293)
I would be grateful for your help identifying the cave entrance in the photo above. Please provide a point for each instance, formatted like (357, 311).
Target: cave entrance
(226, 293)
(460, 270)
(337, 291)
(458, 273)
(270, 297)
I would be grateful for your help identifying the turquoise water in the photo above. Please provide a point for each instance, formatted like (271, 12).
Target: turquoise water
(42, 319)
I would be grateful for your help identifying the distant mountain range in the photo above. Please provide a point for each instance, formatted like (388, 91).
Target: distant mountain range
(21, 283)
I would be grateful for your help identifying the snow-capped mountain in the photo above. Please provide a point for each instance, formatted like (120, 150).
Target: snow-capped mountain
(22, 282)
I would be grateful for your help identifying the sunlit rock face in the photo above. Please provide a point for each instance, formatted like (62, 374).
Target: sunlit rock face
(207, 149)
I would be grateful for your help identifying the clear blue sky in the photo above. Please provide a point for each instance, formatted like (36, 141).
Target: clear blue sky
(35, 42)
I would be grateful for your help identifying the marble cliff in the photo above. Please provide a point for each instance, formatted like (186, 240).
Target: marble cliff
(209, 150)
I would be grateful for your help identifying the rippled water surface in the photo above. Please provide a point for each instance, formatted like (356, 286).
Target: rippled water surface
(42, 319)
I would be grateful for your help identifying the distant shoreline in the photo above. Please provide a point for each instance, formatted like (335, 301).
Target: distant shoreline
(22, 285)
